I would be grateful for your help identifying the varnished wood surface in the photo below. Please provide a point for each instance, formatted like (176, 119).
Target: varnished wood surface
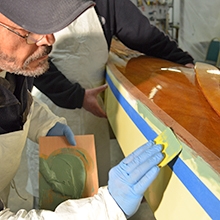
(172, 92)
(208, 78)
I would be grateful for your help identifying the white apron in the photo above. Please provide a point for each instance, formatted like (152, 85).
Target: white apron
(11, 147)
(80, 53)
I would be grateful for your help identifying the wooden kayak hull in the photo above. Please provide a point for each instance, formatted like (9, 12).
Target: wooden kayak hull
(147, 95)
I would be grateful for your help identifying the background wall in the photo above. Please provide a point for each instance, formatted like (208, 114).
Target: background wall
(198, 21)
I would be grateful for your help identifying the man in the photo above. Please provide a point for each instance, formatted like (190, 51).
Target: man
(26, 37)
(80, 54)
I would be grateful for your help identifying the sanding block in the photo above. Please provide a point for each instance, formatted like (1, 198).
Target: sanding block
(171, 145)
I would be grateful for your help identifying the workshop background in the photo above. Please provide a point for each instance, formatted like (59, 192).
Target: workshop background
(193, 24)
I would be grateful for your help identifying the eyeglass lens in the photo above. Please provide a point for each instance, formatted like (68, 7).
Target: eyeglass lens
(33, 38)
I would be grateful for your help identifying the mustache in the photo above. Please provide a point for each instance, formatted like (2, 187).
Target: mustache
(48, 49)
(43, 51)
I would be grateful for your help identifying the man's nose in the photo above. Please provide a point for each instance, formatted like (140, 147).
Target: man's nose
(48, 39)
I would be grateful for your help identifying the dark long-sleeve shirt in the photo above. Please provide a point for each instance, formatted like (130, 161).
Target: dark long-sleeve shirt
(125, 21)
(15, 102)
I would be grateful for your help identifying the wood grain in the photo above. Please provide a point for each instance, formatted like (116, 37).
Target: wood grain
(208, 77)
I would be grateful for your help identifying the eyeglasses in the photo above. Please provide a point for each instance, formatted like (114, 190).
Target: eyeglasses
(31, 38)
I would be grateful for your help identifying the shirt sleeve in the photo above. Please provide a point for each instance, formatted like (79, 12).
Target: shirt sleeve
(134, 30)
(58, 88)
(99, 207)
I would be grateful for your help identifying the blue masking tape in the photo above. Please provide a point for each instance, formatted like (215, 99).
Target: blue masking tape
(141, 124)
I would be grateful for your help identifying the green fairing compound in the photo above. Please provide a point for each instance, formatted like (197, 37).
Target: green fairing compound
(65, 175)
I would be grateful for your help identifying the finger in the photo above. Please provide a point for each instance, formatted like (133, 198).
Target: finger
(97, 110)
(141, 186)
(138, 174)
(100, 112)
(138, 151)
(69, 135)
(101, 88)
(190, 65)
(139, 156)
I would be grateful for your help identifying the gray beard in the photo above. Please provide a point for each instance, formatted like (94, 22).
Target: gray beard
(42, 68)
(10, 63)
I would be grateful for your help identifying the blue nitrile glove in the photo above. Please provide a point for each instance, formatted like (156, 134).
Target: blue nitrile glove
(62, 130)
(132, 176)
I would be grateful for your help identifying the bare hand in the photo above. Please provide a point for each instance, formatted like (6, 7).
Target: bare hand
(190, 65)
(90, 102)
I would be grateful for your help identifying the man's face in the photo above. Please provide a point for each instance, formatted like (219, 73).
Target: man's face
(16, 56)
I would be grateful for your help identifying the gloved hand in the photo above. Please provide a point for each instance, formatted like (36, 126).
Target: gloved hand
(62, 130)
(132, 176)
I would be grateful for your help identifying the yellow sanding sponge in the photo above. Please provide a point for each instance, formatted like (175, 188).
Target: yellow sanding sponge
(171, 145)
